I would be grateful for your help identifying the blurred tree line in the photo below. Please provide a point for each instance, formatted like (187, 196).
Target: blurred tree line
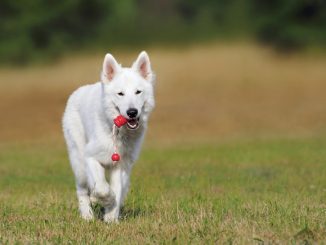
(36, 29)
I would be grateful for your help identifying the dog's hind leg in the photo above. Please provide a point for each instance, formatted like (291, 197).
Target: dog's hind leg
(74, 135)
(84, 203)
(79, 170)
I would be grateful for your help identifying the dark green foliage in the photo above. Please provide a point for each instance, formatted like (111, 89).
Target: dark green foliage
(36, 29)
(30, 28)
(291, 24)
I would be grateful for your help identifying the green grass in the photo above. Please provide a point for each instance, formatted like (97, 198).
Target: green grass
(251, 191)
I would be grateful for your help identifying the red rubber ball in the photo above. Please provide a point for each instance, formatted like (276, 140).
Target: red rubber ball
(120, 121)
(115, 157)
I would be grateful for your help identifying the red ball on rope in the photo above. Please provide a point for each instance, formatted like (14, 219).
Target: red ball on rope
(118, 121)
(115, 157)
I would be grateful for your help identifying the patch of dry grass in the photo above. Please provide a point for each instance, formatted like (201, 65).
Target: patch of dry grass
(203, 93)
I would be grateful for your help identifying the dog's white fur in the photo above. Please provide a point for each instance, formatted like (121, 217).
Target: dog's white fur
(87, 126)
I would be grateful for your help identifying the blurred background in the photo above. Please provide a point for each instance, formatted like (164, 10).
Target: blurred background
(236, 144)
(225, 69)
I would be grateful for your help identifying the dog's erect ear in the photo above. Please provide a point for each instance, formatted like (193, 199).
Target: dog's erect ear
(143, 66)
(110, 68)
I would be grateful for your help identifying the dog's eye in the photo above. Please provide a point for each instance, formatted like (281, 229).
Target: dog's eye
(138, 92)
(121, 94)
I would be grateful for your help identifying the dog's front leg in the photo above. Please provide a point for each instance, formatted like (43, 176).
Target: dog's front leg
(119, 183)
(100, 189)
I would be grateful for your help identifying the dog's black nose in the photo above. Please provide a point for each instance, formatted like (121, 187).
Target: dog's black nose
(132, 112)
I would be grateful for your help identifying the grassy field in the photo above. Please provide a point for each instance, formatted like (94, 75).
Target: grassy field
(235, 151)
(233, 192)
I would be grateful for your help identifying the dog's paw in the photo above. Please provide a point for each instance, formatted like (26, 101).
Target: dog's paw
(111, 215)
(103, 195)
(93, 198)
(87, 214)
(110, 218)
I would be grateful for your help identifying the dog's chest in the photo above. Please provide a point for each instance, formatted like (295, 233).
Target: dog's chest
(126, 145)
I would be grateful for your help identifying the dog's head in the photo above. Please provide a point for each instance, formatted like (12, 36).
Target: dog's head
(128, 91)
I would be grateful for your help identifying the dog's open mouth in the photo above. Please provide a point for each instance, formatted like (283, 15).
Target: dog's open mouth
(133, 124)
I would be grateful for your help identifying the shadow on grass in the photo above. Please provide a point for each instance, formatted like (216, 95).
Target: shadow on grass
(125, 214)
(98, 211)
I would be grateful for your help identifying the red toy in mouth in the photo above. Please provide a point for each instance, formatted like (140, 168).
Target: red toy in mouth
(131, 123)
(120, 121)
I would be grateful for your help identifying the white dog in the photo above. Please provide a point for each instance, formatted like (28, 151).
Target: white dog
(87, 126)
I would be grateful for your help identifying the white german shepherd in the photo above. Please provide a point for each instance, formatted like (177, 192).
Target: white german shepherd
(87, 125)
